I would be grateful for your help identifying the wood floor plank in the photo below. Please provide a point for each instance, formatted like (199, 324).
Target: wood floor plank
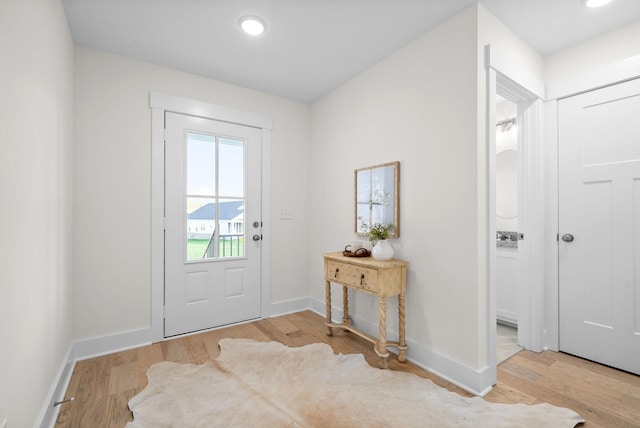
(523, 369)
(507, 395)
(540, 358)
(123, 377)
(102, 387)
(174, 350)
(116, 416)
(284, 325)
(545, 395)
(195, 348)
(595, 368)
(147, 356)
(561, 395)
(596, 389)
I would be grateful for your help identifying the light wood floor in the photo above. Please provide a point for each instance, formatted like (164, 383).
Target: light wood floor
(102, 386)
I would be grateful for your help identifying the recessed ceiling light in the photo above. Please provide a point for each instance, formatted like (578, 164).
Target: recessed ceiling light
(252, 25)
(595, 3)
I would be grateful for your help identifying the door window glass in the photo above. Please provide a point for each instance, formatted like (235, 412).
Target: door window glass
(214, 197)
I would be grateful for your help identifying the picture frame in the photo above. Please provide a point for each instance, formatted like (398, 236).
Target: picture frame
(377, 197)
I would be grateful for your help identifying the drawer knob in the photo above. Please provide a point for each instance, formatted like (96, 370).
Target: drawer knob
(361, 278)
(337, 272)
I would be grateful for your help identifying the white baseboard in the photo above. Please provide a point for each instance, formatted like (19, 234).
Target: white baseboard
(95, 347)
(82, 350)
(475, 381)
(49, 413)
(318, 307)
(98, 346)
(289, 307)
(507, 317)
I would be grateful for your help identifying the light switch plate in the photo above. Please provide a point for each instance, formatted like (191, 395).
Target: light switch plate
(286, 213)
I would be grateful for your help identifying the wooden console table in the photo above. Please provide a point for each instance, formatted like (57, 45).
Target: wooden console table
(381, 278)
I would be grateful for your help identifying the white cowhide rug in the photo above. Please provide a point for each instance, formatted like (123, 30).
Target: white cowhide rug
(266, 384)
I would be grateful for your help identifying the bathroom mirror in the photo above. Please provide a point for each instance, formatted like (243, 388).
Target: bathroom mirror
(507, 190)
(377, 196)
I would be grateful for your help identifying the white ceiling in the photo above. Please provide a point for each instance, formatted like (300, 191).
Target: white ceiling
(310, 46)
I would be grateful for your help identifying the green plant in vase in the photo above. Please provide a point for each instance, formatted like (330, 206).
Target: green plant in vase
(376, 232)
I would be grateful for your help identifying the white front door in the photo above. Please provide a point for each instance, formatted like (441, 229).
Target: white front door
(212, 216)
(599, 225)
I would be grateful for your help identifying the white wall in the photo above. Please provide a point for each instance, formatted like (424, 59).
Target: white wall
(425, 106)
(36, 121)
(112, 186)
(417, 106)
(608, 48)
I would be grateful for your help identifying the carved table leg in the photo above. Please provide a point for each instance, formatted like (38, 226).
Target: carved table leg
(402, 345)
(382, 338)
(327, 291)
(345, 305)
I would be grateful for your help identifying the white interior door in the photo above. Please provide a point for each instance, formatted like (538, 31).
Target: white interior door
(599, 221)
(212, 223)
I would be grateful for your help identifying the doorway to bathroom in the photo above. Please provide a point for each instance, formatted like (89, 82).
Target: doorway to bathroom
(506, 79)
(507, 200)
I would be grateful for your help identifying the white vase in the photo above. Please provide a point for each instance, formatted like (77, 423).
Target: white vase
(382, 250)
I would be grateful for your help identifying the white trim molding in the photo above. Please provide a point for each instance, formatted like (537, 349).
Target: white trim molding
(157, 223)
(530, 331)
(551, 299)
(207, 110)
(98, 346)
(491, 224)
(289, 307)
(471, 380)
(527, 91)
(160, 104)
(49, 414)
(610, 74)
(512, 75)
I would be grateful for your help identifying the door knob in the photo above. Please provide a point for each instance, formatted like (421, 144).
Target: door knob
(257, 237)
(567, 237)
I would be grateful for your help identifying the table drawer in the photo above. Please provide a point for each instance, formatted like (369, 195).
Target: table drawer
(352, 275)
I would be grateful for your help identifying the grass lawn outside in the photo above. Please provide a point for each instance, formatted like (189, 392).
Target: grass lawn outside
(228, 248)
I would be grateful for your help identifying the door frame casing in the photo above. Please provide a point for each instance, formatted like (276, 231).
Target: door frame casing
(610, 74)
(527, 92)
(159, 104)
